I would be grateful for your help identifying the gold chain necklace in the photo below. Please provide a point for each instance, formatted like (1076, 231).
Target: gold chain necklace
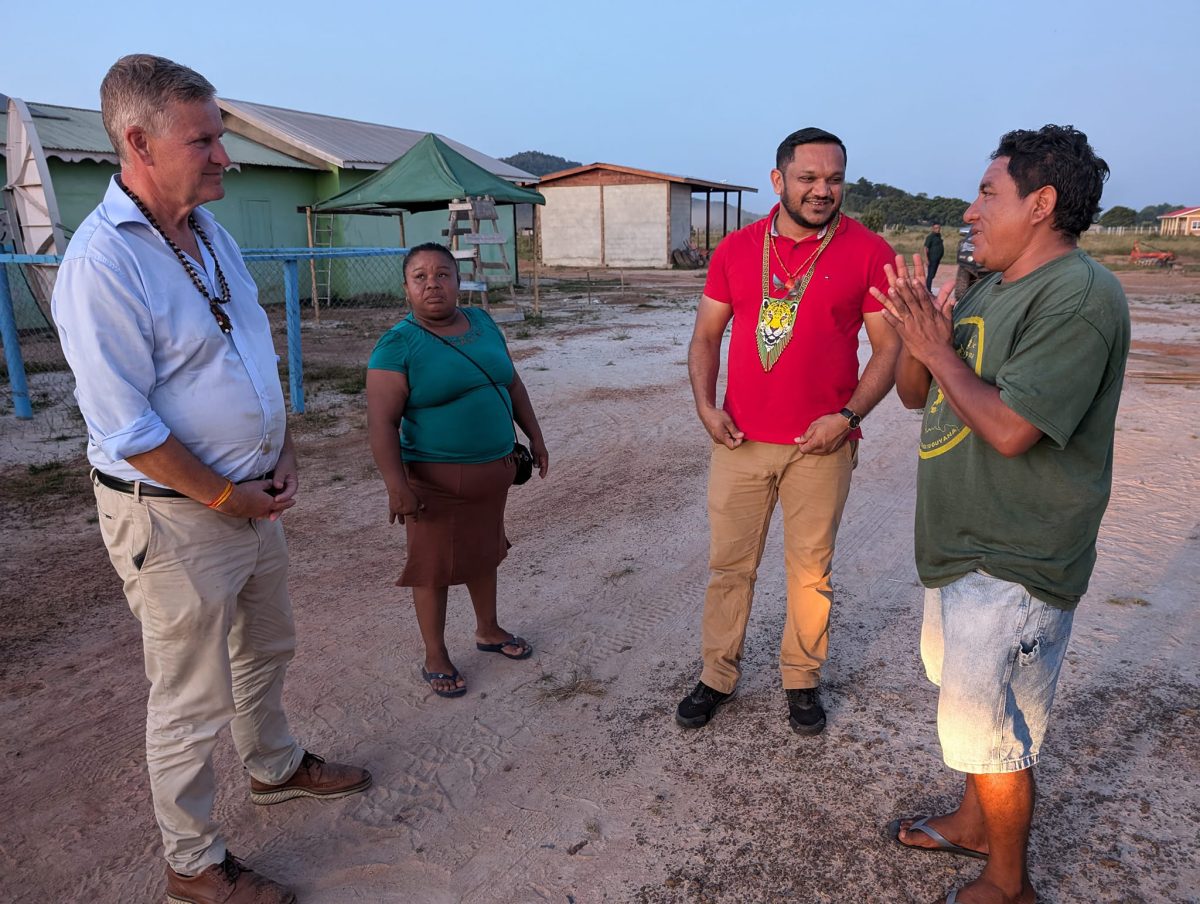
(777, 316)
(791, 277)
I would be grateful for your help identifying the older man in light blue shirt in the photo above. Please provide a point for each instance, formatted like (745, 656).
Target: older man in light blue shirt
(177, 380)
(154, 363)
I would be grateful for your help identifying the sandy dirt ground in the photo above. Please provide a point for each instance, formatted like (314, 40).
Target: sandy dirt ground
(564, 778)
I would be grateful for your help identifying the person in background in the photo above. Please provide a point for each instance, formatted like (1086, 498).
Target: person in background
(1020, 382)
(193, 466)
(442, 394)
(934, 251)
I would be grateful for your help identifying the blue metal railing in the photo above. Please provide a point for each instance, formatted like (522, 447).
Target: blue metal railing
(289, 257)
(9, 334)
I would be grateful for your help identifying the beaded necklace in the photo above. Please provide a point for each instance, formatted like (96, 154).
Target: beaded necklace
(777, 316)
(214, 304)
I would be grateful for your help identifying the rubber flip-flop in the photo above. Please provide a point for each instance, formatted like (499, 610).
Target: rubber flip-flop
(944, 845)
(431, 677)
(513, 641)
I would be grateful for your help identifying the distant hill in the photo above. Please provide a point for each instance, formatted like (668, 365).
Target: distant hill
(538, 163)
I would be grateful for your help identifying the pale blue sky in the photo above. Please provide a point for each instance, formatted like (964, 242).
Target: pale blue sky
(919, 91)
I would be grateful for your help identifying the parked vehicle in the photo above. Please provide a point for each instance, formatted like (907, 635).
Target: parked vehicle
(1151, 258)
(969, 270)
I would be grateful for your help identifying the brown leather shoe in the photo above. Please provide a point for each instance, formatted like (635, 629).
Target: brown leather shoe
(314, 778)
(227, 882)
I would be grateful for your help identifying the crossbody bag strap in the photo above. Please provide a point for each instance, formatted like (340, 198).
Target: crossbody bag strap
(507, 405)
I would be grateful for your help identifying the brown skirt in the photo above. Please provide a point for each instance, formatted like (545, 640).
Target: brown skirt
(459, 534)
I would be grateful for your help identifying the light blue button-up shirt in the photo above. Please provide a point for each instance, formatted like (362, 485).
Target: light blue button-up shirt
(148, 356)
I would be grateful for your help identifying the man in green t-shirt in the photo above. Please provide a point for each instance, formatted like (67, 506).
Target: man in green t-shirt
(1020, 382)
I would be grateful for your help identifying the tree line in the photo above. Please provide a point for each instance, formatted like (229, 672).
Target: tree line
(877, 204)
(1127, 216)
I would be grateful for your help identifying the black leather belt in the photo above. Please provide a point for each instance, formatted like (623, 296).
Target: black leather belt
(124, 486)
(149, 489)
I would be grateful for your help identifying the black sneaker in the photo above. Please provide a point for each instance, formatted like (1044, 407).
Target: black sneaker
(698, 707)
(805, 713)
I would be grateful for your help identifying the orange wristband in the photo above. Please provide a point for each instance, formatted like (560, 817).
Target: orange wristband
(223, 495)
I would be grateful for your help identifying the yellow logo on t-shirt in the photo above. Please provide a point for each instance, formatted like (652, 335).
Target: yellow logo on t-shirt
(942, 430)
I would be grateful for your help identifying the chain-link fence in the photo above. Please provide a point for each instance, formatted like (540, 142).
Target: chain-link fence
(331, 282)
(341, 301)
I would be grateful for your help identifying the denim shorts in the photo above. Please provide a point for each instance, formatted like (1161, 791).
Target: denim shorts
(996, 653)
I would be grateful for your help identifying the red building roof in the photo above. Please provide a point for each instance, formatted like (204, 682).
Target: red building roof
(1182, 212)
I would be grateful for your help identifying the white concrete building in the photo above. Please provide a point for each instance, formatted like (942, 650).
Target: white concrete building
(603, 215)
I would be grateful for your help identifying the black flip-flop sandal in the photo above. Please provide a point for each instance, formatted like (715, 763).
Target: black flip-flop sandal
(513, 641)
(431, 677)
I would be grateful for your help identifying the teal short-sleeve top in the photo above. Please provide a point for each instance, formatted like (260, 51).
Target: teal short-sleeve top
(453, 412)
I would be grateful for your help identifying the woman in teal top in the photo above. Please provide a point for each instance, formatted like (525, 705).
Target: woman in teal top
(442, 394)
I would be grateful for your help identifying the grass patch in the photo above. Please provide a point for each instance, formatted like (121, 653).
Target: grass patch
(316, 420)
(617, 575)
(574, 686)
(344, 378)
(1127, 601)
(41, 481)
(620, 337)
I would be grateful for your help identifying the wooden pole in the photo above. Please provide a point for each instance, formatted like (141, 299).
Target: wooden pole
(312, 264)
(537, 254)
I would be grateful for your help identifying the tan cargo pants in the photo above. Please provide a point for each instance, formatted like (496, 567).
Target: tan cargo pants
(744, 485)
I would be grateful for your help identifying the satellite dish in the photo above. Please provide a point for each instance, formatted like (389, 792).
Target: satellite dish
(29, 198)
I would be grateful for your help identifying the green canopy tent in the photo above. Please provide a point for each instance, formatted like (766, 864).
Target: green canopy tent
(431, 175)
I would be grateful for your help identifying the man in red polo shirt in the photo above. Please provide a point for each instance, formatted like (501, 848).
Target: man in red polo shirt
(797, 287)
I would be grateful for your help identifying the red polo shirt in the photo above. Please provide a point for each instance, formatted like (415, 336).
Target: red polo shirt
(818, 371)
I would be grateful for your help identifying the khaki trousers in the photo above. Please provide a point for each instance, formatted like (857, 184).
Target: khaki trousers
(211, 594)
(744, 485)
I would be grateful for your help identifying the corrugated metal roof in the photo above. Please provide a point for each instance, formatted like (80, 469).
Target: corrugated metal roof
(74, 134)
(1181, 212)
(350, 143)
(695, 184)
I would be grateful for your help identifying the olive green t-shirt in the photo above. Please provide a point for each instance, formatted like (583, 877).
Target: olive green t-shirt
(454, 413)
(1055, 343)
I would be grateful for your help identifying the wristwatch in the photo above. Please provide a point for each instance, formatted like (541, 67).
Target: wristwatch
(853, 418)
